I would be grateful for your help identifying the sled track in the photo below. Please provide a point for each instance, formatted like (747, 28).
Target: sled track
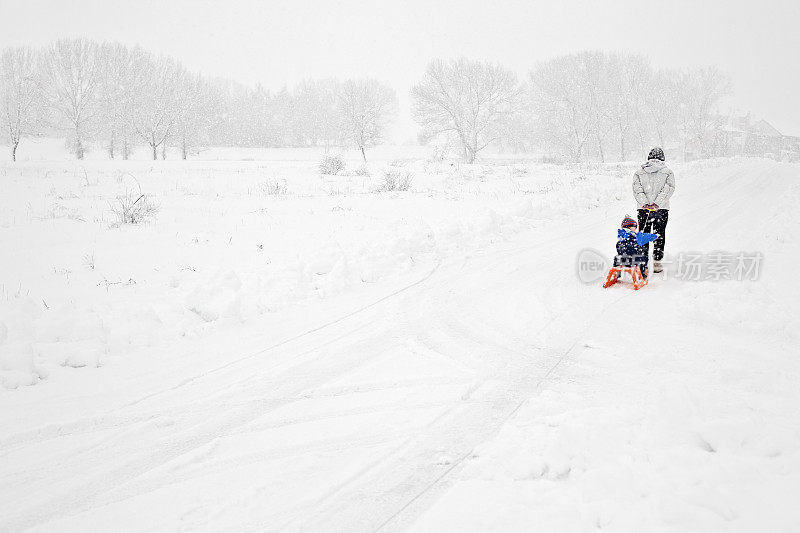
(410, 474)
(442, 477)
(290, 339)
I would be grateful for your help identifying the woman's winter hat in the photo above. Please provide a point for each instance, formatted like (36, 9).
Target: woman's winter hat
(628, 222)
(656, 153)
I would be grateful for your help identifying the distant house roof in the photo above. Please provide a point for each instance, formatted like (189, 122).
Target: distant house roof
(741, 124)
(762, 127)
(733, 123)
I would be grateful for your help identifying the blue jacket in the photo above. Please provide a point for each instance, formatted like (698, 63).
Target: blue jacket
(631, 249)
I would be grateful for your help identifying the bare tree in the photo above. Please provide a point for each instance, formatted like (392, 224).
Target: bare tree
(283, 118)
(317, 111)
(117, 98)
(19, 95)
(472, 100)
(72, 72)
(367, 106)
(155, 95)
(227, 123)
(601, 93)
(699, 91)
(629, 77)
(582, 100)
(660, 102)
(565, 111)
(191, 107)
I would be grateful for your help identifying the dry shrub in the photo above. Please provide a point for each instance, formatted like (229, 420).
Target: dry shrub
(331, 165)
(133, 208)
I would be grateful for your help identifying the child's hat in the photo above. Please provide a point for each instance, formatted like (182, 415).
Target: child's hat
(628, 222)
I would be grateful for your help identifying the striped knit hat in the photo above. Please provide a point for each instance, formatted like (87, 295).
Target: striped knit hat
(628, 222)
(656, 153)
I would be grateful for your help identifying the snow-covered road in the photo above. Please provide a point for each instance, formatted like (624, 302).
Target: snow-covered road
(402, 407)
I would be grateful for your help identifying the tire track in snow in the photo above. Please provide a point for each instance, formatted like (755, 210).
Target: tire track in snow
(110, 420)
(159, 449)
(381, 495)
(290, 339)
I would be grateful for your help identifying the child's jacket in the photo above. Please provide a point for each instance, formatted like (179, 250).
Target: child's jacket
(631, 249)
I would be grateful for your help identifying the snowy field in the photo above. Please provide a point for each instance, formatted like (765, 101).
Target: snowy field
(277, 350)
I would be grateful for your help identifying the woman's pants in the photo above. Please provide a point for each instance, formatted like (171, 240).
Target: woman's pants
(654, 222)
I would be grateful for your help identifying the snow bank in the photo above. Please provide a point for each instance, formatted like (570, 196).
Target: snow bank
(221, 251)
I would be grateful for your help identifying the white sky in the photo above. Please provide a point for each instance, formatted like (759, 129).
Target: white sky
(280, 42)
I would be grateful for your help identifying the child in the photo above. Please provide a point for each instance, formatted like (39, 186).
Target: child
(631, 246)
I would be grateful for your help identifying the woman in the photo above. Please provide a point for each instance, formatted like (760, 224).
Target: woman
(653, 185)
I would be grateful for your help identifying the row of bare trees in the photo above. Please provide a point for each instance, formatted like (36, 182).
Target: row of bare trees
(325, 112)
(577, 106)
(92, 91)
(124, 97)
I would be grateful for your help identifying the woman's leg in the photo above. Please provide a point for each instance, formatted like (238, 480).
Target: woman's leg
(644, 220)
(660, 219)
(645, 226)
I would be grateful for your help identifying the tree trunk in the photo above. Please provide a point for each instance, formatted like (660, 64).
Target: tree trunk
(577, 154)
(155, 151)
(163, 151)
(125, 150)
(600, 150)
(79, 153)
(14, 151)
(184, 150)
(469, 152)
(685, 147)
(363, 154)
(111, 146)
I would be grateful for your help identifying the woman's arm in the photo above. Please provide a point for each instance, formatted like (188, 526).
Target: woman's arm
(666, 191)
(638, 191)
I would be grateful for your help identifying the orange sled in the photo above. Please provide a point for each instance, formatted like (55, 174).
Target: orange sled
(614, 274)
